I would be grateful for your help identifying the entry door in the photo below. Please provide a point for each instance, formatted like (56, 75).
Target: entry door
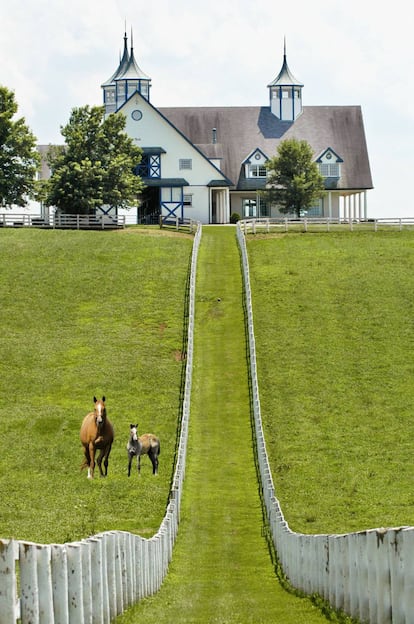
(172, 203)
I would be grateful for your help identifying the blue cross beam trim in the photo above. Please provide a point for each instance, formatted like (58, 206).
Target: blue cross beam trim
(172, 208)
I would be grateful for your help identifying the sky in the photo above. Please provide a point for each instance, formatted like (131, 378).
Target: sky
(55, 56)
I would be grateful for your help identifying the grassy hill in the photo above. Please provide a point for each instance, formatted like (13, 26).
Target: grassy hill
(84, 314)
(334, 336)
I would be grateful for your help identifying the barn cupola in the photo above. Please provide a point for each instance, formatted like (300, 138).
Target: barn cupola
(285, 93)
(127, 80)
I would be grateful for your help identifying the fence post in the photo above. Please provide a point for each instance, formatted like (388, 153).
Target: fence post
(28, 583)
(89, 589)
(139, 578)
(110, 560)
(122, 580)
(75, 595)
(59, 583)
(44, 577)
(8, 593)
(396, 565)
(407, 598)
(97, 572)
(129, 570)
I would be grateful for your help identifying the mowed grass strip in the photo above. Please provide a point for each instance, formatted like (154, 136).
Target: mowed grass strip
(334, 337)
(84, 314)
(221, 570)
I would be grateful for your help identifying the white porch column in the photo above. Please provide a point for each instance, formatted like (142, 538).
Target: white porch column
(223, 205)
(220, 206)
(227, 205)
(365, 206)
(330, 204)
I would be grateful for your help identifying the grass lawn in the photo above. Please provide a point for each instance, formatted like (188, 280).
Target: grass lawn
(334, 337)
(84, 314)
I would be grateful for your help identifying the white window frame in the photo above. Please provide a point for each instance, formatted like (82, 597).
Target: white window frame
(257, 170)
(330, 170)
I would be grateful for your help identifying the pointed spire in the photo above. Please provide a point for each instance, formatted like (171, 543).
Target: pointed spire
(126, 80)
(123, 63)
(285, 76)
(285, 92)
(131, 69)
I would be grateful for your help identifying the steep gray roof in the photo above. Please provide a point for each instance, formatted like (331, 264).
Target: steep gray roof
(240, 130)
(285, 77)
(132, 71)
(123, 64)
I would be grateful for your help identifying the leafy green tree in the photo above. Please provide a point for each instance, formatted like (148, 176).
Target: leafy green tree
(95, 166)
(293, 182)
(19, 159)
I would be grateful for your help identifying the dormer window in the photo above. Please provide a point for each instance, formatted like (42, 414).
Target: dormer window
(257, 171)
(255, 165)
(329, 164)
(329, 170)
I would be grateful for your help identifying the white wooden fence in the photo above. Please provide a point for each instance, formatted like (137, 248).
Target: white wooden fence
(63, 221)
(323, 224)
(95, 580)
(369, 575)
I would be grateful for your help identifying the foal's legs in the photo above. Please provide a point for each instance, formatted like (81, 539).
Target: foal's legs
(154, 461)
(130, 458)
(139, 463)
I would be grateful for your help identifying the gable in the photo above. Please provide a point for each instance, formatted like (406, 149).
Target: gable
(147, 127)
(256, 157)
(328, 157)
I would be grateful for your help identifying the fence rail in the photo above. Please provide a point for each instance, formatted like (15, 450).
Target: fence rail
(95, 580)
(178, 224)
(313, 224)
(63, 221)
(370, 574)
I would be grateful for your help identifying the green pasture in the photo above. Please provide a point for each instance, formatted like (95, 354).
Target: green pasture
(334, 331)
(84, 314)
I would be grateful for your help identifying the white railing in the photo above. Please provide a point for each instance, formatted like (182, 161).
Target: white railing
(63, 221)
(370, 574)
(312, 224)
(95, 580)
(178, 223)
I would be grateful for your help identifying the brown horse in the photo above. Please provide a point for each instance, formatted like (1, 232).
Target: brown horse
(97, 434)
(147, 444)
